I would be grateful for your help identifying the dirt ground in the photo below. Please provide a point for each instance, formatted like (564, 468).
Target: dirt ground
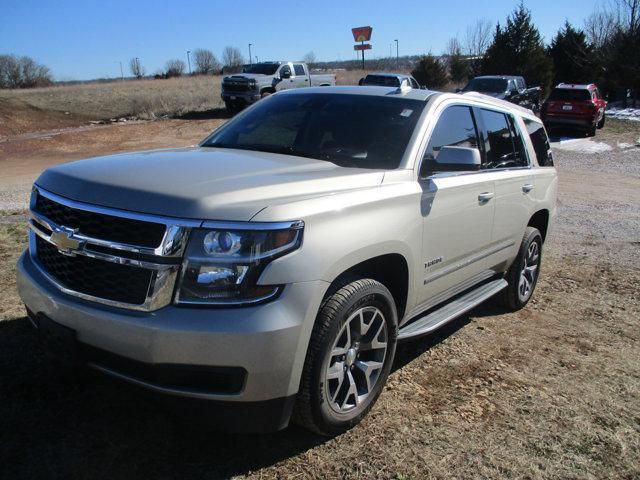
(552, 391)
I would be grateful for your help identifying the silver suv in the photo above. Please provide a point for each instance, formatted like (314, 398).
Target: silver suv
(270, 272)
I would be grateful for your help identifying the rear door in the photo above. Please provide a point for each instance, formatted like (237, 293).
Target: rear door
(457, 209)
(507, 163)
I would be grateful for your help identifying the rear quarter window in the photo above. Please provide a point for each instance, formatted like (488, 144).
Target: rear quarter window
(540, 142)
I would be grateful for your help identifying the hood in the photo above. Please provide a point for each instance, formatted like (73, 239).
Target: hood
(201, 183)
(245, 76)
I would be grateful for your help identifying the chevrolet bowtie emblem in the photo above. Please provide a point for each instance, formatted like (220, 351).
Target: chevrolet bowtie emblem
(62, 238)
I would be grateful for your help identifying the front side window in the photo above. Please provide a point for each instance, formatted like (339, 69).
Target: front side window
(540, 142)
(298, 68)
(359, 131)
(455, 128)
(414, 84)
(285, 69)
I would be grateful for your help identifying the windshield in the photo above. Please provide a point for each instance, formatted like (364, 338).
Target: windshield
(263, 68)
(360, 131)
(494, 85)
(381, 81)
(569, 94)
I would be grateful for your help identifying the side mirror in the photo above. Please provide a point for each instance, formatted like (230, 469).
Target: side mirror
(286, 73)
(453, 159)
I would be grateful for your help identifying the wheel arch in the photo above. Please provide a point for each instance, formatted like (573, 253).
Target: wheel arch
(391, 269)
(540, 220)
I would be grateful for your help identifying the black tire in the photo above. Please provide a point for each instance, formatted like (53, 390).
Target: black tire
(591, 132)
(314, 409)
(266, 94)
(602, 120)
(231, 107)
(512, 297)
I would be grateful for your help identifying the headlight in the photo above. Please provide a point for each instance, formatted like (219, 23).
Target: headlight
(222, 265)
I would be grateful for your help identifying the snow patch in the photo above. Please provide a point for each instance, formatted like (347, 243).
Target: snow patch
(624, 113)
(584, 145)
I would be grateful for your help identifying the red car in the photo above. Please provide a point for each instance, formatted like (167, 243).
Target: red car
(574, 106)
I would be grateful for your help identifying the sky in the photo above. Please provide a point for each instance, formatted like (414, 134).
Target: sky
(86, 39)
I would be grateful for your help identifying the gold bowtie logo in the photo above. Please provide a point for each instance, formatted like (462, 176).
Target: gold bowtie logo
(63, 239)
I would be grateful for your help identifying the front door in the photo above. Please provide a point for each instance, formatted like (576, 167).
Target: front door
(457, 209)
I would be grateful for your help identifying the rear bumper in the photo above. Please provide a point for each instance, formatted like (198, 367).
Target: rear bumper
(568, 120)
(235, 355)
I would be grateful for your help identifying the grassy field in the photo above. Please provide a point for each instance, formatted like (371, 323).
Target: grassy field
(65, 105)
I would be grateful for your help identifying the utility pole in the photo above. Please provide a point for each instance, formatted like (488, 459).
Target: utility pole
(121, 71)
(250, 61)
(390, 51)
(189, 60)
(257, 59)
(397, 55)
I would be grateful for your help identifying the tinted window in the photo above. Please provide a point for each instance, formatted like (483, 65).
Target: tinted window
(414, 84)
(540, 142)
(298, 68)
(381, 81)
(264, 68)
(455, 128)
(360, 131)
(503, 151)
(569, 95)
(285, 68)
(495, 85)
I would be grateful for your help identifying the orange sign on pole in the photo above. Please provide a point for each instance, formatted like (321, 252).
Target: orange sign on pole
(361, 34)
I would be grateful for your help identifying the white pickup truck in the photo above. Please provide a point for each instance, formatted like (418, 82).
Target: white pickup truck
(269, 272)
(265, 78)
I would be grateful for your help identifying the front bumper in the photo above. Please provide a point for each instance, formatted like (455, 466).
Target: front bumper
(268, 342)
(240, 98)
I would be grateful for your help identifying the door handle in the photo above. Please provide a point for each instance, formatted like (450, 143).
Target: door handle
(485, 197)
(527, 187)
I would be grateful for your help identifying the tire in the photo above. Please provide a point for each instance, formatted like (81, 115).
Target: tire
(602, 120)
(514, 297)
(342, 360)
(231, 107)
(265, 94)
(591, 132)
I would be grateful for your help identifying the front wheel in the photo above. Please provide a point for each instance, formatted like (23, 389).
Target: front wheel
(523, 274)
(350, 354)
(601, 122)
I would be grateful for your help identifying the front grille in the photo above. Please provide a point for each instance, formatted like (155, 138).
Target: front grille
(111, 281)
(98, 225)
(236, 87)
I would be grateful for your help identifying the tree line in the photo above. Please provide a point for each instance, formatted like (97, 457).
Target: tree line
(606, 51)
(23, 72)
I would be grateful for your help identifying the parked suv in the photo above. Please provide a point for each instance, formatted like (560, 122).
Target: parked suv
(271, 271)
(575, 106)
(506, 87)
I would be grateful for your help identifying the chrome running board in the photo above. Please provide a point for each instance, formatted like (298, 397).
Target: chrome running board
(451, 310)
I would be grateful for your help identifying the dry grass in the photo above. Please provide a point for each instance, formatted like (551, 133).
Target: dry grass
(140, 98)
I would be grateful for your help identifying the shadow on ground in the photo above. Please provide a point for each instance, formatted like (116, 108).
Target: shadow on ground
(213, 114)
(66, 423)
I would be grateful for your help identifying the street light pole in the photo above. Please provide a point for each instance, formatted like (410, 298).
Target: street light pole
(189, 60)
(121, 71)
(257, 59)
(397, 55)
(250, 61)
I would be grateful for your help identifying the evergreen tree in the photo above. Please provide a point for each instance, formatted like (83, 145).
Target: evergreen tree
(517, 49)
(430, 72)
(572, 57)
(459, 67)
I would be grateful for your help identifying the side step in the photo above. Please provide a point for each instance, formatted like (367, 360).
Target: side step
(451, 310)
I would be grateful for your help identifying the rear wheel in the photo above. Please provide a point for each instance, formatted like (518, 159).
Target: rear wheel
(349, 357)
(591, 132)
(265, 94)
(601, 122)
(523, 274)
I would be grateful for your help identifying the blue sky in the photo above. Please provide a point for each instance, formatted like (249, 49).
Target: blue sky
(86, 39)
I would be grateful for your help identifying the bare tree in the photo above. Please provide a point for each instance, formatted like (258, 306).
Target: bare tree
(478, 38)
(600, 27)
(310, 59)
(232, 57)
(205, 61)
(137, 70)
(23, 72)
(175, 68)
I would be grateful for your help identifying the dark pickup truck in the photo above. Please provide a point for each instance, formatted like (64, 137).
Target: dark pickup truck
(506, 87)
